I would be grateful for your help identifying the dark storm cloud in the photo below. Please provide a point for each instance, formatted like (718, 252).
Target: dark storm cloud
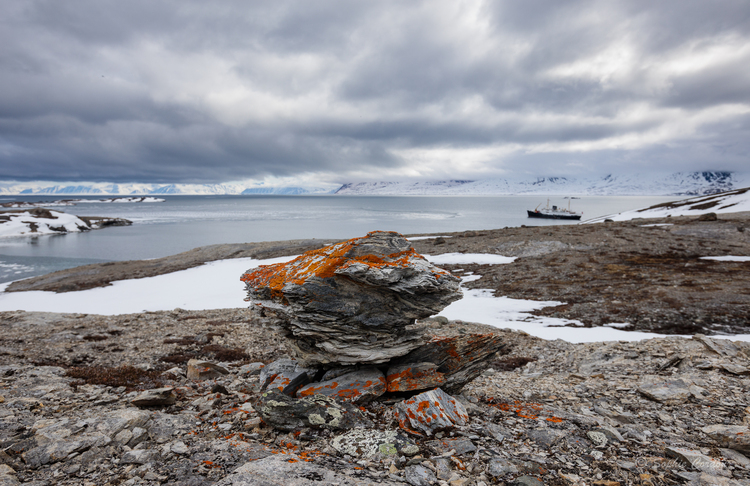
(187, 91)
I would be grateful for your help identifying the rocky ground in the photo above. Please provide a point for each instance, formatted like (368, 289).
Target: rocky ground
(75, 405)
(661, 411)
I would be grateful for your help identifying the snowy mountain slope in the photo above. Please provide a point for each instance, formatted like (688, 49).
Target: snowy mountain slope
(681, 183)
(724, 202)
(103, 188)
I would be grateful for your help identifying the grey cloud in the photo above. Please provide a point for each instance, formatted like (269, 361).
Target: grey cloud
(105, 90)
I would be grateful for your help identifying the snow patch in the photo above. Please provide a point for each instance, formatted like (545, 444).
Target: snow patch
(727, 258)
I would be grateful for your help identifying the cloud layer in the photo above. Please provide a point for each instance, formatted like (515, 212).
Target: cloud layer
(187, 91)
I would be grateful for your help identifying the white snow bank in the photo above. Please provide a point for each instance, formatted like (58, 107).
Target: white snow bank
(725, 202)
(727, 258)
(217, 285)
(19, 224)
(465, 258)
(417, 238)
(138, 199)
(214, 285)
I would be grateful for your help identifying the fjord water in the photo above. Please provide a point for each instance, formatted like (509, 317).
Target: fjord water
(185, 222)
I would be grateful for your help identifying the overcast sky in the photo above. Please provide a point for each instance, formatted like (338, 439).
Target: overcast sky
(345, 91)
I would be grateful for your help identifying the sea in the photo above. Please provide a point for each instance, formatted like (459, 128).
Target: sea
(181, 223)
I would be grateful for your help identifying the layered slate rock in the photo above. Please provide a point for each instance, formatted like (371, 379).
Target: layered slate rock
(411, 377)
(318, 411)
(285, 375)
(430, 412)
(358, 387)
(353, 302)
(459, 358)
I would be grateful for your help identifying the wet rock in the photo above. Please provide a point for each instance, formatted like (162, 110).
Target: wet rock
(430, 412)
(668, 391)
(360, 386)
(157, 397)
(419, 475)
(459, 358)
(411, 377)
(352, 302)
(204, 370)
(286, 413)
(735, 437)
(368, 443)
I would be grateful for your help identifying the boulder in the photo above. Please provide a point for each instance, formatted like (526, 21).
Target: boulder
(285, 375)
(459, 358)
(430, 412)
(411, 377)
(358, 387)
(353, 302)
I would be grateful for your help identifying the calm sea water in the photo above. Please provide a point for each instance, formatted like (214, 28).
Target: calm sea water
(185, 222)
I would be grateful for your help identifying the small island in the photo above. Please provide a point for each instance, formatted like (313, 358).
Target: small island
(40, 221)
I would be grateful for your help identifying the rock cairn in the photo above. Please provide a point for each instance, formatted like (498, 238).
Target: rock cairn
(349, 311)
(353, 302)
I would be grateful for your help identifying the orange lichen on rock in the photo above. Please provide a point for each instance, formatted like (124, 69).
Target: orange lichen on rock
(419, 376)
(324, 263)
(429, 412)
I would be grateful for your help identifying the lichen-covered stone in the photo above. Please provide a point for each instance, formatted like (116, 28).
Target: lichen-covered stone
(460, 358)
(359, 386)
(285, 375)
(369, 443)
(352, 303)
(430, 412)
(412, 377)
(204, 370)
(286, 413)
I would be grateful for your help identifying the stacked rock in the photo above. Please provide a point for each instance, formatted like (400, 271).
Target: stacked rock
(353, 302)
(349, 311)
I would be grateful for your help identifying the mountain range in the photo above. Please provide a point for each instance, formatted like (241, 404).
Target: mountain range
(674, 184)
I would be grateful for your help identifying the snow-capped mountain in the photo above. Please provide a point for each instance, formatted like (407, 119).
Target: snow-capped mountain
(103, 188)
(676, 184)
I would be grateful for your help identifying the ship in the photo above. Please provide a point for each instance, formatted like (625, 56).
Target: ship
(554, 213)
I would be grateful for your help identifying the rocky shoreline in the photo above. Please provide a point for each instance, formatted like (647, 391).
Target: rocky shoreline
(646, 272)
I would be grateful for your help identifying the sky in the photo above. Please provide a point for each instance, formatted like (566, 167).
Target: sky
(342, 91)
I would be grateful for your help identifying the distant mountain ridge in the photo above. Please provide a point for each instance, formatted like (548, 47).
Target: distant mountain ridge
(104, 188)
(675, 184)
